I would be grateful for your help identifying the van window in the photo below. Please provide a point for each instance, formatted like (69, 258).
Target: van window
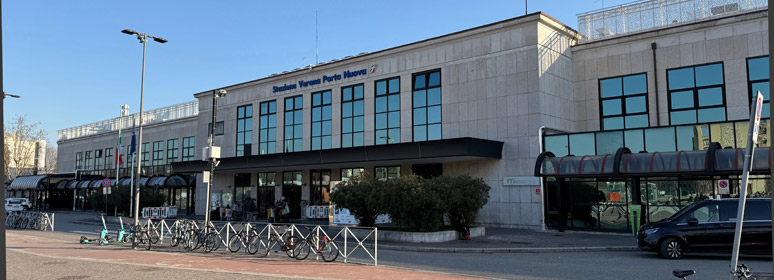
(705, 214)
(754, 210)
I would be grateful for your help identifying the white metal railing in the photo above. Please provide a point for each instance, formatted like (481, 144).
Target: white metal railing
(177, 111)
(649, 14)
(280, 232)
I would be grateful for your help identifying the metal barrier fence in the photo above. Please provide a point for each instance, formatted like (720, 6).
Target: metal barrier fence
(30, 220)
(648, 14)
(364, 239)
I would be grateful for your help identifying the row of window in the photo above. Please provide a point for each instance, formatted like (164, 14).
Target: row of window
(426, 100)
(85, 161)
(696, 94)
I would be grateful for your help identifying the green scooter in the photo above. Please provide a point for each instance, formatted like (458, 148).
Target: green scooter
(103, 239)
(121, 235)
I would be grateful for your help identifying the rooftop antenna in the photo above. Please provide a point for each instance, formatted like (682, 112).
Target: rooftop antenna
(316, 40)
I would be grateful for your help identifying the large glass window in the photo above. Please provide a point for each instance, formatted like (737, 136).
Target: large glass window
(78, 160)
(321, 120)
(158, 153)
(294, 120)
(188, 148)
(109, 158)
(624, 102)
(696, 94)
(145, 156)
(268, 128)
(387, 173)
(89, 161)
(244, 136)
(758, 80)
(219, 130)
(427, 106)
(387, 117)
(266, 183)
(352, 119)
(348, 173)
(172, 146)
(99, 162)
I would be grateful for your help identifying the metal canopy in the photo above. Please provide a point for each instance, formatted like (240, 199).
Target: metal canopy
(27, 182)
(445, 150)
(710, 162)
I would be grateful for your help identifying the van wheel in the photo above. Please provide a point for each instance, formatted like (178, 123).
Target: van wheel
(672, 248)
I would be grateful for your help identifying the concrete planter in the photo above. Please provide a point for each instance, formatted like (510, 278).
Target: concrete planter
(420, 237)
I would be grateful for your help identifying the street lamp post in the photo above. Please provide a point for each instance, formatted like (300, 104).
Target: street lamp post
(143, 39)
(2, 170)
(213, 161)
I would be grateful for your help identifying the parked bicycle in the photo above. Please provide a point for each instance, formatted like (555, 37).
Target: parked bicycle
(140, 237)
(281, 235)
(241, 238)
(318, 243)
(197, 237)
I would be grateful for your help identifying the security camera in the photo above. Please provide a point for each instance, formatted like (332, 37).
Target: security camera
(221, 92)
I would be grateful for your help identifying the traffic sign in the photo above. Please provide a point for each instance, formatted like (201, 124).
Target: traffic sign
(106, 186)
(723, 187)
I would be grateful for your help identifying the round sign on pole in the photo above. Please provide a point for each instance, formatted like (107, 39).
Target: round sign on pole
(106, 183)
(723, 187)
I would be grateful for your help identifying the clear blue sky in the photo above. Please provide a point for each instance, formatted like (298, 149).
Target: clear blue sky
(72, 65)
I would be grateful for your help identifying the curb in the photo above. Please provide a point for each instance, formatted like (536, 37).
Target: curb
(507, 250)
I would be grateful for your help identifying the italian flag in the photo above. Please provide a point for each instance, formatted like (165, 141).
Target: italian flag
(119, 156)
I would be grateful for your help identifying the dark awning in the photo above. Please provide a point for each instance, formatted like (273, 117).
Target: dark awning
(710, 162)
(27, 182)
(72, 184)
(446, 150)
(62, 184)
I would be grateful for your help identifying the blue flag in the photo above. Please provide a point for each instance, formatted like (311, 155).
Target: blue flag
(134, 143)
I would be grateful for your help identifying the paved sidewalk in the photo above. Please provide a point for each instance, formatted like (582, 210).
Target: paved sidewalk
(66, 246)
(497, 240)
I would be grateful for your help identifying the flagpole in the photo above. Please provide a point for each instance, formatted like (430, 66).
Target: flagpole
(118, 154)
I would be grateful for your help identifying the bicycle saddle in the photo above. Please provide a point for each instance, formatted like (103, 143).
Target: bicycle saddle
(683, 273)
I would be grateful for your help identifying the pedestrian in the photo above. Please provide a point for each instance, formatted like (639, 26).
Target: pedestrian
(228, 212)
(250, 209)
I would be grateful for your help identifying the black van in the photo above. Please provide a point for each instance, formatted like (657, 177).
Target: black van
(708, 226)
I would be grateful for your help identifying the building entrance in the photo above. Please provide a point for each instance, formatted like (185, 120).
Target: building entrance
(319, 187)
(291, 190)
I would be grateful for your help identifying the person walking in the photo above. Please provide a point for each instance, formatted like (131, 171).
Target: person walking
(228, 212)
(250, 209)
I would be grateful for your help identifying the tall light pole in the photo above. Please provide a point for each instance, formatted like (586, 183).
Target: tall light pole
(143, 39)
(212, 157)
(2, 169)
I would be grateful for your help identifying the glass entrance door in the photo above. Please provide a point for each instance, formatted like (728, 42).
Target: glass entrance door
(291, 190)
(319, 189)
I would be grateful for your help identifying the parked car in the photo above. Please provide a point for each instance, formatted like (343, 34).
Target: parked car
(708, 226)
(17, 204)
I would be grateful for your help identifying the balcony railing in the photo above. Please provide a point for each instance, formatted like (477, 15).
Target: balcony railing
(178, 111)
(643, 15)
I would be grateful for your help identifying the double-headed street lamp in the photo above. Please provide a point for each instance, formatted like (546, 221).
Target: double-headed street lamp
(143, 39)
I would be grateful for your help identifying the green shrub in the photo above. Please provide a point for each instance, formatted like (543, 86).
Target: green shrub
(120, 197)
(466, 196)
(363, 196)
(416, 203)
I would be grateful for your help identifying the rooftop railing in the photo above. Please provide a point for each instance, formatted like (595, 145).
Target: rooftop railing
(178, 111)
(650, 14)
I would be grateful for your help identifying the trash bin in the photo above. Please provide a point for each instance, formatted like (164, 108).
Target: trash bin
(635, 211)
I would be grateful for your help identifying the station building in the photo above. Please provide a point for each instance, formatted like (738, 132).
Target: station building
(645, 103)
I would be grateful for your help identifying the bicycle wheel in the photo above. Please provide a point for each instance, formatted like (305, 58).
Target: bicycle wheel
(192, 241)
(290, 246)
(154, 236)
(145, 240)
(235, 243)
(329, 251)
(175, 239)
(301, 251)
(211, 242)
(257, 245)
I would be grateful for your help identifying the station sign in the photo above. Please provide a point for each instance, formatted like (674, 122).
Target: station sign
(324, 79)
(521, 181)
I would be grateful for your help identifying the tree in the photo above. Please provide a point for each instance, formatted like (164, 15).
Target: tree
(466, 197)
(22, 143)
(362, 195)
